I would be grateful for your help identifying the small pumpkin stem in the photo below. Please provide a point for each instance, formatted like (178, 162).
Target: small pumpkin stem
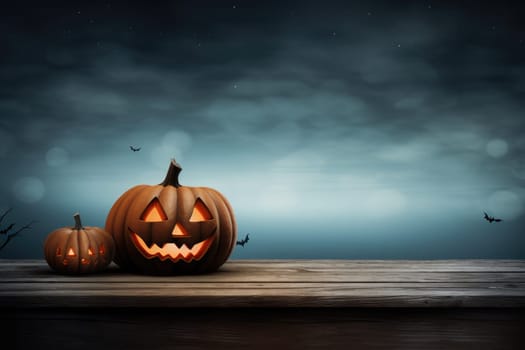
(78, 223)
(172, 177)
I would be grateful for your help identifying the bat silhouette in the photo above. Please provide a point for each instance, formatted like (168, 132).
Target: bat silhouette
(242, 242)
(134, 149)
(490, 218)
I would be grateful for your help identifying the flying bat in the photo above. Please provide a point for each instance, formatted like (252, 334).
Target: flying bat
(491, 218)
(242, 242)
(134, 149)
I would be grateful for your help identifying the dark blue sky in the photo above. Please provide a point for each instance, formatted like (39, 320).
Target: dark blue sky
(335, 129)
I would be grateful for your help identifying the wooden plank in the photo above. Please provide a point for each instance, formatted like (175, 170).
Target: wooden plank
(247, 328)
(482, 265)
(320, 297)
(307, 304)
(308, 283)
(299, 277)
(310, 271)
(390, 299)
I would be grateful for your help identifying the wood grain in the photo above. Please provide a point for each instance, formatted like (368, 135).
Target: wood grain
(276, 283)
(264, 304)
(266, 328)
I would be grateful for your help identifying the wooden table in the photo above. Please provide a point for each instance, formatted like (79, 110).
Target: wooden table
(325, 304)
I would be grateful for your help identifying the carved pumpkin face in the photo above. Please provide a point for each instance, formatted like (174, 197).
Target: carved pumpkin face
(172, 229)
(192, 230)
(79, 249)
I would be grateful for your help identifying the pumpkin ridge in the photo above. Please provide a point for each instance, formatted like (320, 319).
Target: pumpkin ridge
(110, 222)
(81, 239)
(120, 240)
(94, 246)
(228, 225)
(118, 205)
(167, 196)
(130, 212)
(93, 259)
(202, 193)
(71, 241)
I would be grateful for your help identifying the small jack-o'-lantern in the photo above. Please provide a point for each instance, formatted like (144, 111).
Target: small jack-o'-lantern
(172, 229)
(77, 250)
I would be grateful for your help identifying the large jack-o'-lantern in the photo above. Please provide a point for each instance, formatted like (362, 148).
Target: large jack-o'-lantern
(172, 229)
(79, 250)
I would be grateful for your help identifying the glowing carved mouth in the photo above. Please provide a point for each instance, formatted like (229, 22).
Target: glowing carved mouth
(171, 250)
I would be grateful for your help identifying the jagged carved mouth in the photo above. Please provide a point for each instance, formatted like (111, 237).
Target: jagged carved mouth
(171, 250)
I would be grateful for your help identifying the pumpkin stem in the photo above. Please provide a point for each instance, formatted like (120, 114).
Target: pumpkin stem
(78, 224)
(172, 177)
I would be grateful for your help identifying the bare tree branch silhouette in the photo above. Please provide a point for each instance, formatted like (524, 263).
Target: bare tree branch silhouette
(9, 231)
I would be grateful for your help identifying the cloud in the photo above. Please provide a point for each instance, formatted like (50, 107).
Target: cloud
(174, 144)
(403, 110)
(7, 142)
(507, 203)
(56, 157)
(497, 148)
(29, 189)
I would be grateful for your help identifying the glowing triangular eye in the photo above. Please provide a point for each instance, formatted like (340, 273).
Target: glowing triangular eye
(154, 212)
(71, 252)
(90, 251)
(200, 212)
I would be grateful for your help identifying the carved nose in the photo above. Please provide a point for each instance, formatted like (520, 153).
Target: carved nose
(179, 231)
